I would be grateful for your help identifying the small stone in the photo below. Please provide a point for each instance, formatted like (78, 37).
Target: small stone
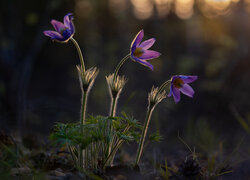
(58, 173)
(120, 177)
(22, 170)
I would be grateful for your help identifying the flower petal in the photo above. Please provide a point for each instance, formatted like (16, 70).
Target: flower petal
(54, 35)
(171, 91)
(68, 22)
(59, 26)
(176, 94)
(143, 62)
(137, 40)
(188, 79)
(149, 54)
(147, 44)
(187, 90)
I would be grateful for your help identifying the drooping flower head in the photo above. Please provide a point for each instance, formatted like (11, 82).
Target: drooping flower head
(64, 31)
(139, 51)
(179, 83)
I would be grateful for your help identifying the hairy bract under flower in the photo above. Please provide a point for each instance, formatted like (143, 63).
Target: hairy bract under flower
(115, 85)
(87, 78)
(155, 97)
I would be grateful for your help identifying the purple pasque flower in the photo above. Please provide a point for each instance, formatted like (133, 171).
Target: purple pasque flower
(179, 83)
(64, 31)
(139, 51)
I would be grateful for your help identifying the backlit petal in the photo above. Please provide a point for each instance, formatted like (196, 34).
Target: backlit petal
(54, 35)
(147, 44)
(188, 79)
(137, 40)
(171, 91)
(149, 54)
(187, 90)
(176, 94)
(68, 22)
(59, 26)
(143, 62)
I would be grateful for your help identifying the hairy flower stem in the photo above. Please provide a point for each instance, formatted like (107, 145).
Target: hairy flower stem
(84, 104)
(119, 66)
(144, 133)
(154, 99)
(110, 128)
(163, 86)
(111, 153)
(113, 106)
(79, 53)
(83, 114)
(114, 99)
(83, 109)
(112, 113)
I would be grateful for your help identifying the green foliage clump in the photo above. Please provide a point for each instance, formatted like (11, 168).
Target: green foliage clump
(96, 138)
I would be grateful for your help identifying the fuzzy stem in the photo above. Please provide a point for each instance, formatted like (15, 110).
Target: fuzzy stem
(84, 104)
(72, 155)
(82, 121)
(145, 128)
(110, 154)
(144, 133)
(162, 87)
(116, 140)
(112, 113)
(113, 106)
(84, 98)
(119, 66)
(79, 53)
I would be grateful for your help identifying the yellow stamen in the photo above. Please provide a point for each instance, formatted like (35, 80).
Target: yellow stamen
(178, 82)
(138, 52)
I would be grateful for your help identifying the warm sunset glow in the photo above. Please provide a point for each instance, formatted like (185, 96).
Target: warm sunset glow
(235, 1)
(118, 6)
(247, 5)
(184, 8)
(213, 8)
(143, 9)
(163, 7)
(83, 8)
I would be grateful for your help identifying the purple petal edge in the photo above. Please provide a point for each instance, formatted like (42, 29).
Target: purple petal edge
(177, 95)
(137, 40)
(143, 62)
(57, 25)
(54, 35)
(68, 22)
(188, 79)
(147, 44)
(149, 54)
(187, 90)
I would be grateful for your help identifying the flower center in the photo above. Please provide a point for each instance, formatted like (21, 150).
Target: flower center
(178, 82)
(138, 52)
(65, 33)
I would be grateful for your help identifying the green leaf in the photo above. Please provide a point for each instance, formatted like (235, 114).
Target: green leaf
(155, 137)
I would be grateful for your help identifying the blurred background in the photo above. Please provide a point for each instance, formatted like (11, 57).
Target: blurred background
(39, 84)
